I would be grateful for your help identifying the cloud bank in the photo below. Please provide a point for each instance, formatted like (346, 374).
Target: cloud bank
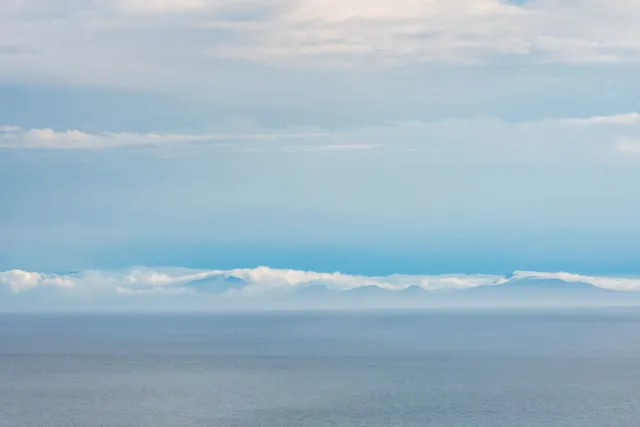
(265, 280)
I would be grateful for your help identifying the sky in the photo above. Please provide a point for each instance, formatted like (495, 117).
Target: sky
(369, 138)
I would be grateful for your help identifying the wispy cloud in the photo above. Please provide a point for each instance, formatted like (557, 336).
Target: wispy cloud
(615, 119)
(594, 139)
(16, 138)
(333, 147)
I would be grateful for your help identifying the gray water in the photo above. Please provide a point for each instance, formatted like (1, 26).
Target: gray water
(444, 369)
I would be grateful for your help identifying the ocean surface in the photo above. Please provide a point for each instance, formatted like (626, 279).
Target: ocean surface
(441, 369)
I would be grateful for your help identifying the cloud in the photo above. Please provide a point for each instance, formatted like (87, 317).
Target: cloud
(334, 147)
(88, 281)
(579, 139)
(385, 32)
(613, 283)
(16, 138)
(265, 281)
(615, 119)
(258, 280)
(20, 281)
(392, 32)
(175, 41)
(159, 6)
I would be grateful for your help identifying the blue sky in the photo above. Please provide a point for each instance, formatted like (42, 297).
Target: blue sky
(371, 138)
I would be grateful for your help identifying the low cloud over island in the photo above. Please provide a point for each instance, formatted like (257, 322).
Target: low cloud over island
(181, 288)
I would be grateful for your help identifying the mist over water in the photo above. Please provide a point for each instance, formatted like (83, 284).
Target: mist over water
(442, 368)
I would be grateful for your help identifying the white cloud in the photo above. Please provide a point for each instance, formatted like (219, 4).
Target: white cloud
(615, 119)
(16, 138)
(583, 140)
(173, 41)
(336, 33)
(613, 283)
(334, 147)
(258, 280)
(266, 280)
(160, 6)
(134, 279)
(19, 281)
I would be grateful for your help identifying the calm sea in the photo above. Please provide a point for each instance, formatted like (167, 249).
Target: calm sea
(441, 369)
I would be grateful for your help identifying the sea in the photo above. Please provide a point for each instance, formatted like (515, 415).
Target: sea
(526, 368)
